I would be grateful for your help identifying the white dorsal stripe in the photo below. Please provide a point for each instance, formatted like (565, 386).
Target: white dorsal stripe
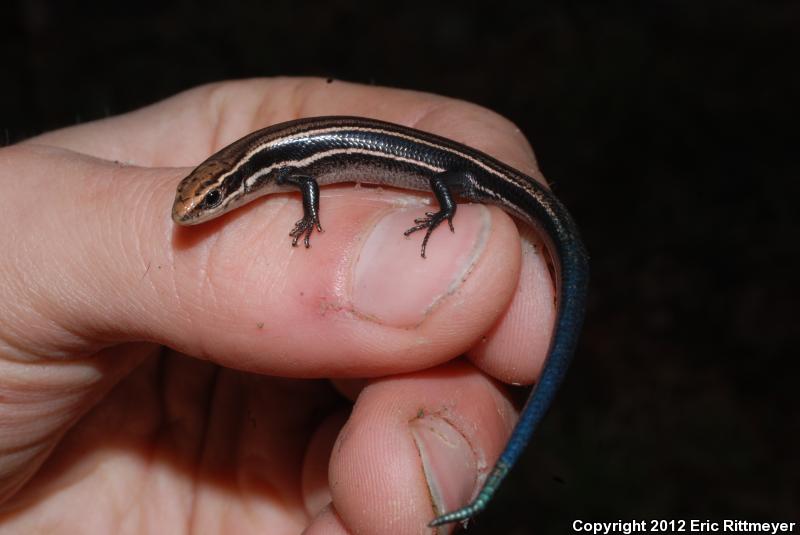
(329, 153)
(267, 145)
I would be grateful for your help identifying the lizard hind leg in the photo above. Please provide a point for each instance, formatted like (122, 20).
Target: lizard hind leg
(442, 186)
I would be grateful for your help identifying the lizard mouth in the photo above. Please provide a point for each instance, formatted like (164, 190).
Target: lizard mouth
(182, 211)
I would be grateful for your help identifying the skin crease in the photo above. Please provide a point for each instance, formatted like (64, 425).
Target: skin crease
(107, 425)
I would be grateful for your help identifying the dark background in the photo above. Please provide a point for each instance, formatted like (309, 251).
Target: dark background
(670, 129)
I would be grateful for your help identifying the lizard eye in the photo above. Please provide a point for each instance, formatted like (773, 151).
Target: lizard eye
(212, 198)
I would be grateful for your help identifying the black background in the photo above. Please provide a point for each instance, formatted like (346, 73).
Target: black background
(670, 129)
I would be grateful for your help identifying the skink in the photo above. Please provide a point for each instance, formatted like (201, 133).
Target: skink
(308, 153)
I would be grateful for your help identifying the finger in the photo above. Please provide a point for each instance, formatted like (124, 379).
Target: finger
(361, 302)
(103, 264)
(213, 447)
(183, 130)
(204, 119)
(515, 348)
(416, 446)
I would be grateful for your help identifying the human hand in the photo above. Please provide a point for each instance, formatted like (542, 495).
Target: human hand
(106, 423)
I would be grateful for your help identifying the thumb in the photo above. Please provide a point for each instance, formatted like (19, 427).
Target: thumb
(93, 259)
(78, 245)
(62, 346)
(94, 277)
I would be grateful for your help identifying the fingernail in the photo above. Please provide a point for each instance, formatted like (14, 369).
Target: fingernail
(394, 285)
(448, 462)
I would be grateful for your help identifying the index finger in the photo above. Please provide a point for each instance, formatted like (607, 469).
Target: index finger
(183, 130)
